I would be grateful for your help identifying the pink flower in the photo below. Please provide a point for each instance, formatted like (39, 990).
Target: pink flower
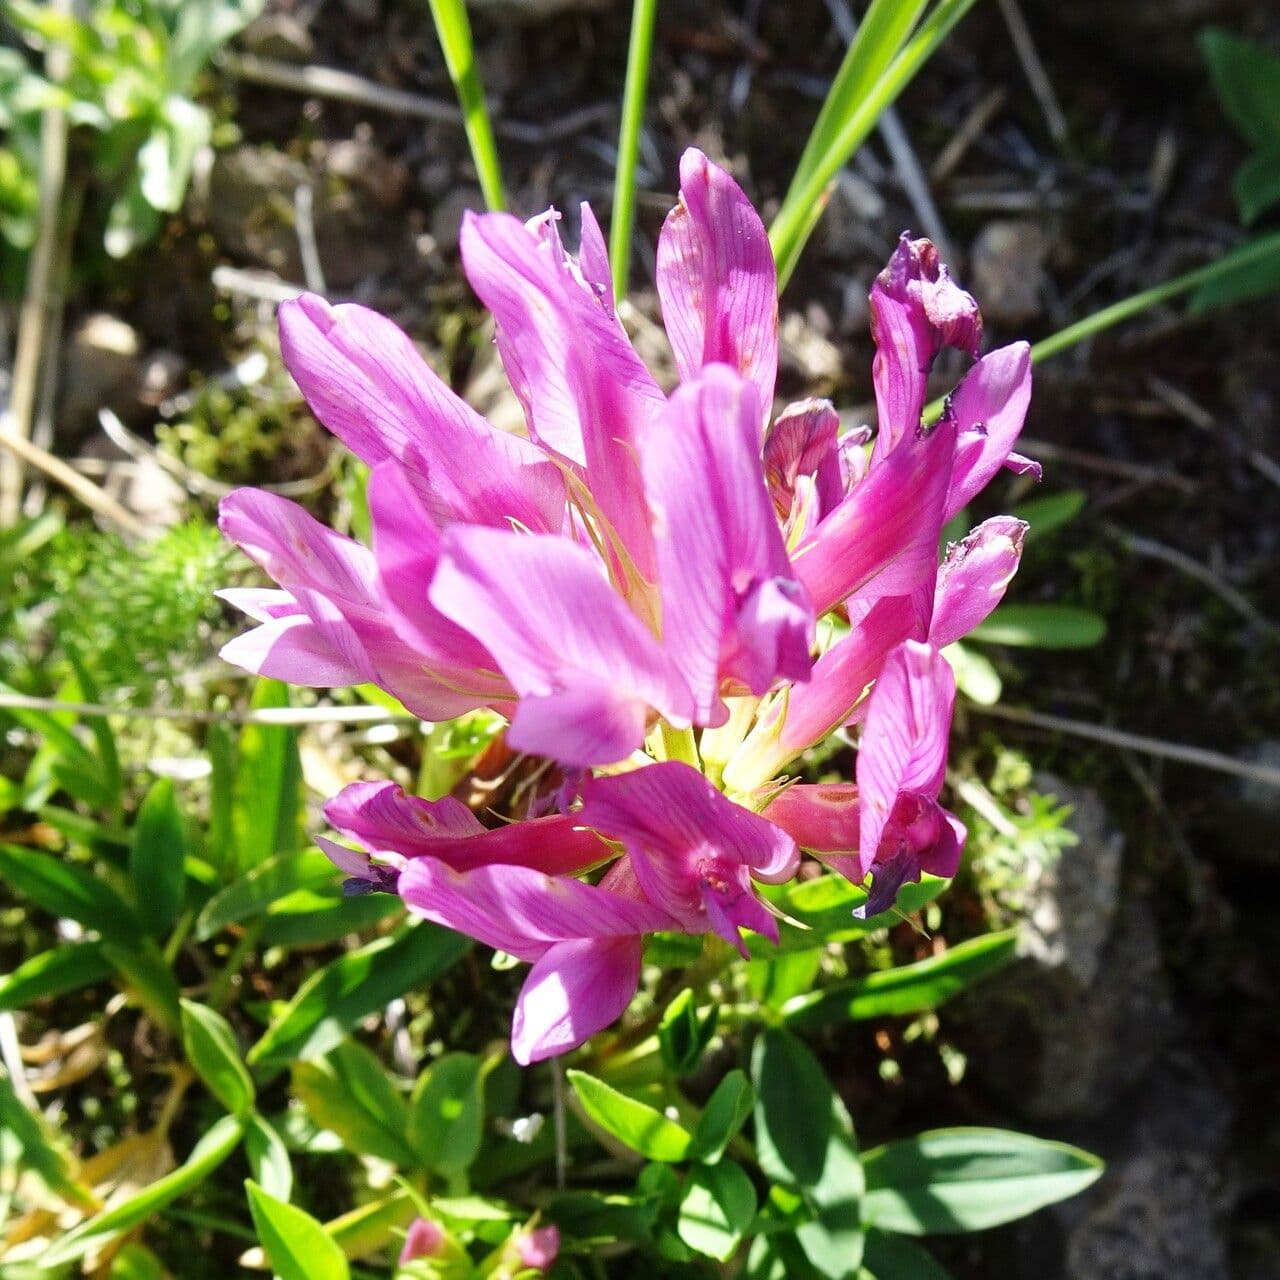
(539, 1248)
(673, 596)
(423, 1239)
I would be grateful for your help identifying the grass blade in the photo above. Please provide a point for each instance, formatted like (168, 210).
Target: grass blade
(806, 198)
(622, 221)
(454, 30)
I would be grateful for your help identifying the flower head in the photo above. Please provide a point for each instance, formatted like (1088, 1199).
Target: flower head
(672, 596)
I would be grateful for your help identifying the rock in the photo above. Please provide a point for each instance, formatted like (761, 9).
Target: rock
(1253, 834)
(1007, 270)
(359, 162)
(279, 35)
(162, 374)
(100, 369)
(446, 217)
(1086, 1009)
(251, 211)
(1161, 1208)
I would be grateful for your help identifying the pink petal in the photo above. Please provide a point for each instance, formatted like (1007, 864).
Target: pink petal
(883, 538)
(262, 604)
(717, 280)
(821, 818)
(382, 817)
(521, 911)
(585, 392)
(732, 607)
(688, 843)
(575, 989)
(903, 748)
(540, 1248)
(803, 442)
(367, 383)
(974, 576)
(989, 408)
(916, 310)
(300, 651)
(593, 258)
(557, 629)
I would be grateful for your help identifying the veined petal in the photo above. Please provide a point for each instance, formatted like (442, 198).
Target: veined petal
(593, 258)
(558, 631)
(521, 911)
(803, 441)
(717, 280)
(365, 380)
(822, 818)
(301, 651)
(731, 606)
(903, 749)
(586, 394)
(883, 538)
(916, 310)
(974, 576)
(989, 408)
(382, 817)
(692, 850)
(576, 989)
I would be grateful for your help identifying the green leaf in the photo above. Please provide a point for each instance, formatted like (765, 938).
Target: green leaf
(53, 973)
(1246, 78)
(804, 1138)
(40, 1149)
(136, 1262)
(156, 858)
(210, 1046)
(1257, 276)
(684, 1033)
(216, 1145)
(893, 1257)
(268, 1157)
(350, 1093)
(266, 799)
(1257, 185)
(1041, 626)
(725, 1113)
(338, 996)
(910, 988)
(446, 1116)
(718, 1206)
(254, 893)
(775, 981)
(976, 677)
(68, 891)
(635, 1124)
(311, 917)
(953, 1180)
(148, 978)
(296, 1245)
(1050, 512)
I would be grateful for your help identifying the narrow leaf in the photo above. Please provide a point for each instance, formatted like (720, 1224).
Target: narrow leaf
(635, 1124)
(338, 996)
(251, 895)
(156, 858)
(68, 891)
(268, 1157)
(297, 1246)
(910, 988)
(1042, 626)
(953, 1180)
(725, 1113)
(148, 978)
(211, 1048)
(53, 973)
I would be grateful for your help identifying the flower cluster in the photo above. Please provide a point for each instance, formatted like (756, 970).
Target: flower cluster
(672, 596)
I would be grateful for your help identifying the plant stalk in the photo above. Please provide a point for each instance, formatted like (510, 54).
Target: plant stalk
(622, 220)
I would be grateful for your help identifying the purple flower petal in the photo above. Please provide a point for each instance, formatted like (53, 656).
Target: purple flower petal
(732, 607)
(989, 408)
(575, 989)
(365, 380)
(717, 280)
(882, 540)
(561, 635)
(586, 394)
(803, 442)
(692, 850)
(916, 310)
(903, 748)
(974, 576)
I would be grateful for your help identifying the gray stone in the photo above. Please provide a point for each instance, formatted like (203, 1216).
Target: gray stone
(100, 369)
(1086, 1009)
(1161, 1208)
(1007, 270)
(279, 35)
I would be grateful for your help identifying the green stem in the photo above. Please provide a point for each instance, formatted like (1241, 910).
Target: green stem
(454, 31)
(1247, 255)
(679, 744)
(220, 991)
(622, 220)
